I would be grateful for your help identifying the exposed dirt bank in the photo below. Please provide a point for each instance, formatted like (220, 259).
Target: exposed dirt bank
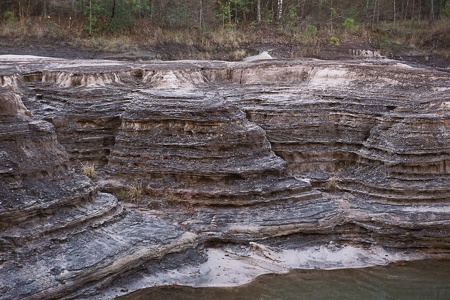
(51, 47)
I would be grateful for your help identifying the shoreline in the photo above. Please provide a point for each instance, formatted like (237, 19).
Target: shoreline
(238, 265)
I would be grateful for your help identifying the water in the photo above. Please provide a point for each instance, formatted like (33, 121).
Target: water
(420, 280)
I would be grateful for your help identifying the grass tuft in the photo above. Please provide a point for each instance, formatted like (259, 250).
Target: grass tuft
(88, 169)
(132, 193)
(135, 191)
(332, 184)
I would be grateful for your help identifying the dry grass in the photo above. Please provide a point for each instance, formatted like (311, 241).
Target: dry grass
(418, 34)
(414, 34)
(135, 191)
(121, 195)
(228, 37)
(88, 169)
(179, 37)
(169, 197)
(131, 193)
(332, 184)
(238, 54)
(39, 27)
(107, 43)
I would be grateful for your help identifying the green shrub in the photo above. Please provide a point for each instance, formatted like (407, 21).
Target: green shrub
(225, 13)
(9, 16)
(349, 24)
(387, 45)
(311, 30)
(292, 14)
(446, 10)
(309, 36)
(334, 41)
(104, 16)
(177, 16)
(123, 18)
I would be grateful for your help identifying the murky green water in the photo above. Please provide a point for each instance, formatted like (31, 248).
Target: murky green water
(422, 280)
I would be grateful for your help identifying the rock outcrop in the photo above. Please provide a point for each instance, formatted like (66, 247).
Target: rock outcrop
(202, 152)
(58, 232)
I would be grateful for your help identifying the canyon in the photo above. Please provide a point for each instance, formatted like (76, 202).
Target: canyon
(194, 162)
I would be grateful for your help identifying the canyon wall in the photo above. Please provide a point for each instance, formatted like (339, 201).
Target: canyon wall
(188, 154)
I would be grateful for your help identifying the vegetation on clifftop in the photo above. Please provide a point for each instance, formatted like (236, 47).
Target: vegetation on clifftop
(309, 25)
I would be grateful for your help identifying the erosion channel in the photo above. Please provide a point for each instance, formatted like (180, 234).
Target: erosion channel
(116, 176)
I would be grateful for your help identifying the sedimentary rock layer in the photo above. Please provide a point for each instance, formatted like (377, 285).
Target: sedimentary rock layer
(58, 233)
(354, 152)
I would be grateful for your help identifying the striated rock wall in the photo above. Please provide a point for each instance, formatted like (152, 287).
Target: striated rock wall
(205, 148)
(58, 233)
(353, 152)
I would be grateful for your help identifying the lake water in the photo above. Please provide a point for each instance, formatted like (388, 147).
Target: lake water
(420, 280)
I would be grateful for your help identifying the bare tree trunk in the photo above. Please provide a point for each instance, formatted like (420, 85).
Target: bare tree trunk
(24, 10)
(405, 16)
(374, 11)
(201, 22)
(280, 9)
(432, 11)
(113, 10)
(90, 17)
(367, 7)
(303, 9)
(20, 11)
(152, 9)
(230, 16)
(235, 13)
(395, 13)
(331, 14)
(44, 8)
(258, 11)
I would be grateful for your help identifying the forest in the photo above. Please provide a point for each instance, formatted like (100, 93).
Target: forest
(309, 22)
(113, 15)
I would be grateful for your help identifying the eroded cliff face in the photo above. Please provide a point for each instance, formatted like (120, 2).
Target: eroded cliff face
(292, 153)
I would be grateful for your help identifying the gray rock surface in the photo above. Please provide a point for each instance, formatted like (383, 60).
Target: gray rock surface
(193, 154)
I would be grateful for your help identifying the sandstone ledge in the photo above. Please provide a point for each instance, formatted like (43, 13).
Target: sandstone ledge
(353, 152)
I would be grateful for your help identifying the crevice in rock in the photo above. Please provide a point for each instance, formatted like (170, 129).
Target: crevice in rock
(33, 77)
